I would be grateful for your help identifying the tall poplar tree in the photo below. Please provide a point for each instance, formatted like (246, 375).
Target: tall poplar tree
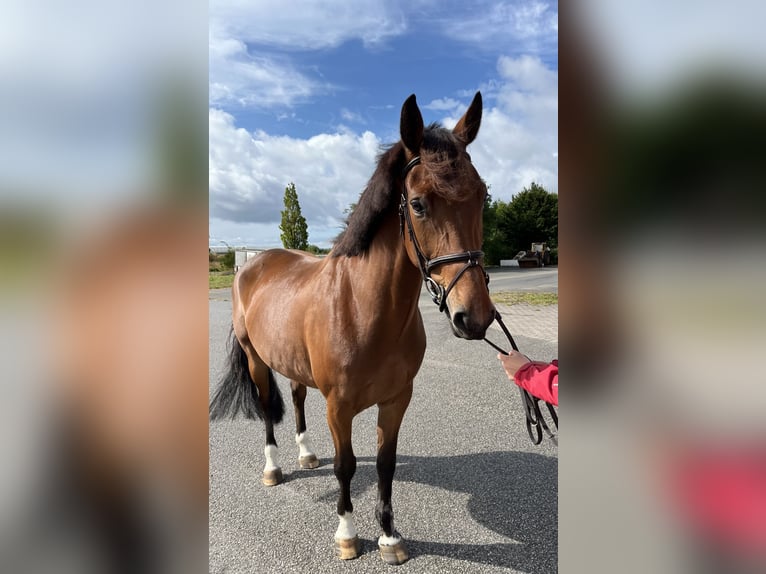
(295, 233)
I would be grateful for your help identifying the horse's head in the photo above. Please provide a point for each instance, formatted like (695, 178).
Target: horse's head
(444, 201)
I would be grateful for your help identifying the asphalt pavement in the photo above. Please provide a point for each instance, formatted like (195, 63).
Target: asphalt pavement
(471, 492)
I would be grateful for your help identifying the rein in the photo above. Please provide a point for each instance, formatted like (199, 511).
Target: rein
(534, 417)
(531, 403)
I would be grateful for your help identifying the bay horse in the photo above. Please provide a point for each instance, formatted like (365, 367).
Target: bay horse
(349, 324)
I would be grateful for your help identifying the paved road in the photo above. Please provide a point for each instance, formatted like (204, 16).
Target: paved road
(543, 280)
(471, 493)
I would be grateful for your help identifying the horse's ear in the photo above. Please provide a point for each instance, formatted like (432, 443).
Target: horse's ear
(411, 125)
(468, 126)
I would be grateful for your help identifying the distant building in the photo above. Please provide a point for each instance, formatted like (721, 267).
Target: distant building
(241, 256)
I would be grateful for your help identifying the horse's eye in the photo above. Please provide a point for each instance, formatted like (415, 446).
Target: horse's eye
(417, 207)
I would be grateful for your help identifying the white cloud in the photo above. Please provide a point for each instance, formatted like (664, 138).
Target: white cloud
(307, 24)
(526, 26)
(249, 172)
(245, 38)
(444, 104)
(518, 140)
(527, 73)
(240, 78)
(350, 116)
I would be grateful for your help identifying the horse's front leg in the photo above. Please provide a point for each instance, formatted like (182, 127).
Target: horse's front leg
(339, 418)
(390, 414)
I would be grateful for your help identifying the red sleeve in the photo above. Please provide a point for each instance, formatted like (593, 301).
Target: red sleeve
(541, 380)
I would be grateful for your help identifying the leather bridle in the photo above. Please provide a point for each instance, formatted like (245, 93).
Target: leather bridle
(471, 258)
(439, 296)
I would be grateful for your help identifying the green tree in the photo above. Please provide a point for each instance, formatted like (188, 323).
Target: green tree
(498, 225)
(494, 244)
(316, 250)
(531, 216)
(227, 259)
(295, 234)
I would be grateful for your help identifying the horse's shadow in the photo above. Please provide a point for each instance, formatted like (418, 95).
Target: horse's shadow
(511, 493)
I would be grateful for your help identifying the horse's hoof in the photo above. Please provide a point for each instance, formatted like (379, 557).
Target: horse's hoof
(310, 461)
(347, 549)
(272, 477)
(394, 554)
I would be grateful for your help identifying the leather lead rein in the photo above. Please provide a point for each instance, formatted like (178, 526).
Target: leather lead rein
(531, 403)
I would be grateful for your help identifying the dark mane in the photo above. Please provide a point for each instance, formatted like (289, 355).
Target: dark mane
(379, 197)
(438, 151)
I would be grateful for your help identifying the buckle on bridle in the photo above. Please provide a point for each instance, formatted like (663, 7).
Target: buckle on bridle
(435, 290)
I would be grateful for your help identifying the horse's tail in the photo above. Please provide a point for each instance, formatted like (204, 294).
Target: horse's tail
(238, 392)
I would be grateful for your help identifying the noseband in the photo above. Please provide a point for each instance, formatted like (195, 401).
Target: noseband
(535, 419)
(471, 258)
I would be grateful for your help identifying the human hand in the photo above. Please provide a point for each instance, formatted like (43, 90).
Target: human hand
(513, 362)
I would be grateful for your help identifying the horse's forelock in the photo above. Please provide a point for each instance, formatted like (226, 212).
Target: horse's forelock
(442, 158)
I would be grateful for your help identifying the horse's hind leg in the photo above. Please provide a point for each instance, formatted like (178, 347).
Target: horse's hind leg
(306, 456)
(249, 387)
(272, 473)
(271, 408)
(390, 415)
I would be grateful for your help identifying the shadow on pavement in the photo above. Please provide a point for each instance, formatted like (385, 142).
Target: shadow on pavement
(511, 493)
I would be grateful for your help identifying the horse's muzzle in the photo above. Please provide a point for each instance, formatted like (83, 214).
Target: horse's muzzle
(465, 327)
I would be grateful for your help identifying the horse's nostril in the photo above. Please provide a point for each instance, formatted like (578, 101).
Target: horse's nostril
(464, 326)
(459, 320)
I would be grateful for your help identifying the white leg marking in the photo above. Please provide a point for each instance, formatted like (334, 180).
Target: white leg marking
(346, 528)
(304, 445)
(272, 457)
(388, 540)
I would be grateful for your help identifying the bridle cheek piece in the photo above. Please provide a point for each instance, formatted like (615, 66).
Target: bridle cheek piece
(471, 258)
(439, 295)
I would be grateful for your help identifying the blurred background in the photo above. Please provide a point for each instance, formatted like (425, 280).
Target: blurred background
(103, 288)
(661, 257)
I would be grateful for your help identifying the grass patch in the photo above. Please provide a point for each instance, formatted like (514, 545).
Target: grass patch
(220, 280)
(514, 297)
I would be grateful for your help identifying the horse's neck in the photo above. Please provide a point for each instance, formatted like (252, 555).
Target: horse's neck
(396, 280)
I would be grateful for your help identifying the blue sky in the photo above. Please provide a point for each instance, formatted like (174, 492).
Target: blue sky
(308, 92)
